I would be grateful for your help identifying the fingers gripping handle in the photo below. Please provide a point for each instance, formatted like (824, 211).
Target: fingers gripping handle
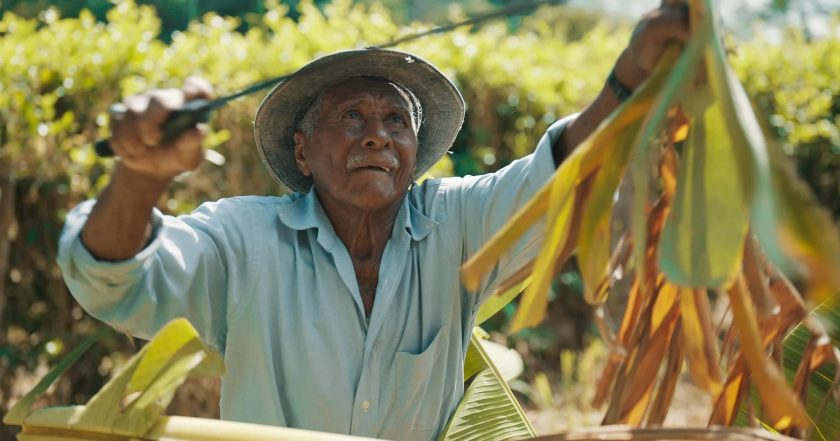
(194, 112)
(103, 148)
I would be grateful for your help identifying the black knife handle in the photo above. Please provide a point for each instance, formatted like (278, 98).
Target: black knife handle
(194, 112)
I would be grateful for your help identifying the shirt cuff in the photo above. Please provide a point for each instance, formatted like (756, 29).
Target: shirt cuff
(544, 161)
(77, 263)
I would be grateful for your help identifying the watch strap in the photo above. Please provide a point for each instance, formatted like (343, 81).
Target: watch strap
(620, 91)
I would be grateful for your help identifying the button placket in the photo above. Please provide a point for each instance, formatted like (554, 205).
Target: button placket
(394, 259)
(368, 393)
(366, 409)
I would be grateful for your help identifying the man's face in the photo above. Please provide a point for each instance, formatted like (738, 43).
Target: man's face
(362, 148)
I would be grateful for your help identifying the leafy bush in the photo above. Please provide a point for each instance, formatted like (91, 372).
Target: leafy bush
(795, 85)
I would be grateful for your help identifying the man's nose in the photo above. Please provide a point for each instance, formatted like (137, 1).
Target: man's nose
(376, 135)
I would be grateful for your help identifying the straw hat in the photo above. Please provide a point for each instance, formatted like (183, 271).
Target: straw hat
(280, 112)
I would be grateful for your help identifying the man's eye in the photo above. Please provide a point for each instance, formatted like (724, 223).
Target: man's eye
(352, 114)
(396, 119)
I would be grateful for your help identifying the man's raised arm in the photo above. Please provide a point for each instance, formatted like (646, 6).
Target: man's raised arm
(119, 224)
(653, 34)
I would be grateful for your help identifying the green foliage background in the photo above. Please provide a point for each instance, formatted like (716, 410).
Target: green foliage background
(58, 76)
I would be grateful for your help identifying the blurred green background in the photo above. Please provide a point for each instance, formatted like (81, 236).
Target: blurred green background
(62, 63)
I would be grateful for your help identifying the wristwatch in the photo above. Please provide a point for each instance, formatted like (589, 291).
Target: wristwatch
(620, 91)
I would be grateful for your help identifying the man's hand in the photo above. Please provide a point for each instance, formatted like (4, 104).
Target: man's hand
(654, 33)
(119, 224)
(137, 133)
(657, 29)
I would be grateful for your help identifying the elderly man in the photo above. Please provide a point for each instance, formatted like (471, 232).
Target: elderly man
(338, 307)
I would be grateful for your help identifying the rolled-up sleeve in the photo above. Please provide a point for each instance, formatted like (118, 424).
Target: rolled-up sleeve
(488, 201)
(182, 272)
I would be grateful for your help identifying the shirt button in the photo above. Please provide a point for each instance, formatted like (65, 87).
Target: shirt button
(365, 405)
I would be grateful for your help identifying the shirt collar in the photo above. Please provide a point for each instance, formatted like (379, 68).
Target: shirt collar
(305, 212)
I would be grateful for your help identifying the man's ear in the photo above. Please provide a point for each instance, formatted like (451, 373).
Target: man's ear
(300, 158)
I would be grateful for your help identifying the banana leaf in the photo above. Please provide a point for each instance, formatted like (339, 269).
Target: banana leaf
(148, 382)
(624, 433)
(780, 404)
(699, 341)
(176, 353)
(499, 355)
(796, 232)
(651, 130)
(823, 388)
(22, 408)
(499, 300)
(488, 411)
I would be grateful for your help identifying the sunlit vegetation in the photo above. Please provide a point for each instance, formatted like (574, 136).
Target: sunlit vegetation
(58, 76)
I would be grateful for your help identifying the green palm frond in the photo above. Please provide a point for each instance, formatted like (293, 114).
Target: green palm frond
(488, 411)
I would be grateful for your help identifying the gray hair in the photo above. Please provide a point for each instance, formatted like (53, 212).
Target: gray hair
(307, 121)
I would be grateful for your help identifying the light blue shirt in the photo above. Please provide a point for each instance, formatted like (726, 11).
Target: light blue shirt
(267, 282)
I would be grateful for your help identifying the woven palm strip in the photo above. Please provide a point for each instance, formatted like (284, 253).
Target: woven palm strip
(666, 434)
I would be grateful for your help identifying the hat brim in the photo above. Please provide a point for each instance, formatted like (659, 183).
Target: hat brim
(280, 111)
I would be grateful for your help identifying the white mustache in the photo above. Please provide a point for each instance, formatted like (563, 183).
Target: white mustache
(386, 160)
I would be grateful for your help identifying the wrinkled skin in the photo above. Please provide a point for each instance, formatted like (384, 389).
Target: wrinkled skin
(361, 155)
(362, 151)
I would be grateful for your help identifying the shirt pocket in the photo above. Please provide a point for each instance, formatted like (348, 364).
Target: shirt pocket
(421, 385)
